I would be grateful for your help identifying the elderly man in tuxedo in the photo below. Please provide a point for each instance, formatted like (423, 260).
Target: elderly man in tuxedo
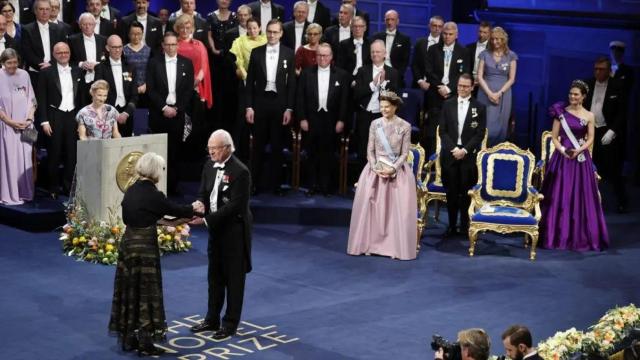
(321, 107)
(606, 101)
(353, 52)
(87, 48)
(294, 31)
(356, 12)
(334, 34)
(103, 26)
(444, 64)
(265, 11)
(462, 125)
(38, 39)
(170, 90)
(123, 93)
(58, 93)
(270, 96)
(152, 32)
(370, 80)
(224, 198)
(397, 44)
(318, 13)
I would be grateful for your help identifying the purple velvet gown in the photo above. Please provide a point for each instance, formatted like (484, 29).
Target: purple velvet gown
(572, 217)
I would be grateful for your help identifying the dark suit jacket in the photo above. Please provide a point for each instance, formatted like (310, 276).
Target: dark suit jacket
(400, 52)
(65, 28)
(624, 75)
(230, 225)
(153, 34)
(25, 9)
(419, 62)
(337, 98)
(158, 86)
(114, 17)
(105, 72)
(78, 51)
(435, 69)
(285, 77)
(332, 37)
(346, 58)
(322, 16)
(472, 131)
(10, 42)
(471, 51)
(277, 11)
(362, 92)
(48, 92)
(289, 34)
(613, 108)
(228, 39)
(31, 44)
(361, 13)
(68, 12)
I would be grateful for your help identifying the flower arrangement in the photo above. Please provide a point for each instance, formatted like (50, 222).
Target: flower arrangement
(97, 241)
(600, 341)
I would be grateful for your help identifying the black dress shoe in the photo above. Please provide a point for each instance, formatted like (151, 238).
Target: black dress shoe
(223, 333)
(204, 326)
(451, 232)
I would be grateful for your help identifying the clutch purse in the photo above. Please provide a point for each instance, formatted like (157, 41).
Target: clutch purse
(29, 135)
(383, 165)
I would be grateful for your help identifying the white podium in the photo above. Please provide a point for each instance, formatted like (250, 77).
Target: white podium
(98, 181)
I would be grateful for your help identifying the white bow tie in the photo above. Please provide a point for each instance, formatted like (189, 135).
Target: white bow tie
(172, 61)
(391, 34)
(218, 165)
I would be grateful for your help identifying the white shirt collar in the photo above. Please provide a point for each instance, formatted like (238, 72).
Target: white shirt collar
(321, 69)
(358, 41)
(44, 26)
(168, 58)
(141, 18)
(344, 27)
(61, 68)
(298, 25)
(530, 354)
(435, 39)
(603, 83)
(466, 99)
(449, 47)
(485, 43)
(392, 32)
(223, 163)
(379, 68)
(276, 46)
(91, 38)
(265, 5)
(114, 61)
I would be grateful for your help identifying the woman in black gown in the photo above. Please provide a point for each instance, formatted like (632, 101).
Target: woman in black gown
(137, 312)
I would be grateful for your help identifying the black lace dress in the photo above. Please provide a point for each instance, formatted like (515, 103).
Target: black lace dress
(138, 310)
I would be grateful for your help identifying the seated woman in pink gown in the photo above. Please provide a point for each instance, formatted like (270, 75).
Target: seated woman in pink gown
(383, 218)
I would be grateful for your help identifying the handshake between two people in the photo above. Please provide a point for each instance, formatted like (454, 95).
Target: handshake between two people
(198, 209)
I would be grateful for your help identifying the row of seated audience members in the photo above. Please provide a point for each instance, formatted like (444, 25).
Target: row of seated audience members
(216, 53)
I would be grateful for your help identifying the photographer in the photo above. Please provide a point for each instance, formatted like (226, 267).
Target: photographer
(474, 344)
(518, 344)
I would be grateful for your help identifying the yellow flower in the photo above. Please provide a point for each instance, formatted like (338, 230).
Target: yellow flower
(109, 247)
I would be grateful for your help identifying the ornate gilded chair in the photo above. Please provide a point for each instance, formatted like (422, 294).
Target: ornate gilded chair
(416, 159)
(434, 189)
(504, 201)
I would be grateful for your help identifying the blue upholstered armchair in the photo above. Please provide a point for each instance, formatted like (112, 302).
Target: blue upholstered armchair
(504, 201)
(416, 160)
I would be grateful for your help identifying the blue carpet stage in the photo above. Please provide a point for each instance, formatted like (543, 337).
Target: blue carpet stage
(307, 299)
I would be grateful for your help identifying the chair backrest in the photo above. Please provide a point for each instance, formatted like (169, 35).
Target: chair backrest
(504, 174)
(546, 146)
(416, 159)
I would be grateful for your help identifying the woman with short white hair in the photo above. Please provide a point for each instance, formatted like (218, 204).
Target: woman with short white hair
(137, 311)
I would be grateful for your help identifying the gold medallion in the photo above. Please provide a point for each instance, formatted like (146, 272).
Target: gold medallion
(126, 170)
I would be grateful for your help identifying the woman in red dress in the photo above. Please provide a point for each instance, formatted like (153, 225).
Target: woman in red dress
(306, 55)
(195, 51)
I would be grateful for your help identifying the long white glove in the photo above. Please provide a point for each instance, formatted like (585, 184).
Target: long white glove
(608, 137)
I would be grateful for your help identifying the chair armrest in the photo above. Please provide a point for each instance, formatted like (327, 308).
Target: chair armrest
(537, 198)
(474, 194)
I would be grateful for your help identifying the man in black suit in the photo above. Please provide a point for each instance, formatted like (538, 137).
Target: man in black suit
(398, 45)
(357, 12)
(419, 62)
(57, 17)
(23, 12)
(201, 27)
(321, 107)
(353, 53)
(35, 49)
(270, 97)
(334, 34)
(163, 15)
(87, 48)
(110, 13)
(152, 32)
(475, 48)
(462, 125)
(370, 80)
(123, 92)
(6, 41)
(445, 62)
(518, 343)
(170, 90)
(294, 31)
(319, 14)
(621, 71)
(264, 11)
(606, 101)
(58, 93)
(224, 198)
(103, 26)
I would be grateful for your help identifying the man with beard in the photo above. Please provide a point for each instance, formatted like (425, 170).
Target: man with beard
(518, 344)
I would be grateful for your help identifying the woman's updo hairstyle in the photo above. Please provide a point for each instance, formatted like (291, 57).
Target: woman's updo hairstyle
(580, 85)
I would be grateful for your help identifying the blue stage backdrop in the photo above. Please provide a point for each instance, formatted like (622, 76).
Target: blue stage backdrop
(550, 56)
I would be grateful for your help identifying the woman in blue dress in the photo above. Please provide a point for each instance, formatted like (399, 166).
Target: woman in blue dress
(496, 75)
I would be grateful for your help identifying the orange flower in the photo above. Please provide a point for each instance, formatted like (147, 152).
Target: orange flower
(115, 230)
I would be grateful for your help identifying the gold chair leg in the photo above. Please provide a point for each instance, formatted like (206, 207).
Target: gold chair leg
(534, 244)
(473, 237)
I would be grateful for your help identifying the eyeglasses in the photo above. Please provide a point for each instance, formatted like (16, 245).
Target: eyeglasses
(465, 86)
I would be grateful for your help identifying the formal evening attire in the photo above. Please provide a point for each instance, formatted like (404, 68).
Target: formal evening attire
(137, 310)
(462, 125)
(24, 11)
(322, 99)
(333, 35)
(318, 13)
(572, 217)
(123, 92)
(99, 124)
(223, 78)
(195, 51)
(139, 60)
(383, 218)
(170, 83)
(224, 189)
(305, 58)
(496, 74)
(152, 30)
(294, 34)
(59, 93)
(241, 49)
(398, 47)
(419, 61)
(270, 91)
(7, 42)
(37, 44)
(265, 11)
(353, 54)
(87, 48)
(607, 102)
(363, 14)
(200, 29)
(16, 164)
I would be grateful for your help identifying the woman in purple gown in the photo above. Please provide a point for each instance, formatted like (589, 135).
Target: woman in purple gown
(17, 106)
(572, 217)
